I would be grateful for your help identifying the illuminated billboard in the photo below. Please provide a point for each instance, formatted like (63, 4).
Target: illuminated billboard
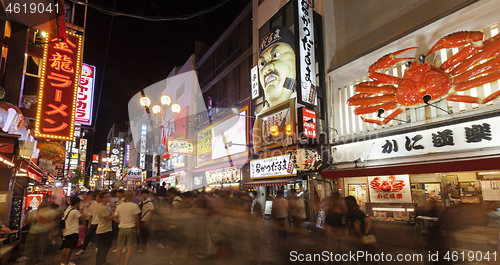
(58, 87)
(85, 96)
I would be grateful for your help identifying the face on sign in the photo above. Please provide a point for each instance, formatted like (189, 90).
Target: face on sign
(276, 63)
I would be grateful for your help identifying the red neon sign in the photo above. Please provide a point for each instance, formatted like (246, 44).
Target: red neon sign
(58, 87)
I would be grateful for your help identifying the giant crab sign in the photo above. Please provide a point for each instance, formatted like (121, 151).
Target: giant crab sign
(478, 63)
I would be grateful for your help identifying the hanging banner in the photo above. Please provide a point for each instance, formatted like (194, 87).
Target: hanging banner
(390, 189)
(85, 97)
(58, 88)
(83, 149)
(306, 91)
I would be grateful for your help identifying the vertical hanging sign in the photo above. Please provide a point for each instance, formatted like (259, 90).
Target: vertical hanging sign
(144, 130)
(85, 96)
(254, 76)
(55, 116)
(306, 59)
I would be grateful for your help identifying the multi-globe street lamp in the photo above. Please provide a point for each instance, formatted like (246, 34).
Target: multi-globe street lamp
(159, 112)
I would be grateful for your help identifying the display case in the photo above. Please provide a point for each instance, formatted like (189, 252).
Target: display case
(393, 212)
(470, 192)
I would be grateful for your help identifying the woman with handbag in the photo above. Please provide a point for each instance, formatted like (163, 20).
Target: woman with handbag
(359, 227)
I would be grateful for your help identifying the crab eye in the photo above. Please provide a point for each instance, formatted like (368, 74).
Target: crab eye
(408, 64)
(276, 55)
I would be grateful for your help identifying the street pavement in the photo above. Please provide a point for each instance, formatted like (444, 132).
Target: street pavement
(272, 252)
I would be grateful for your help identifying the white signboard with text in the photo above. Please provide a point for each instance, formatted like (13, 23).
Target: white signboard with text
(307, 57)
(134, 174)
(276, 166)
(390, 189)
(467, 136)
(254, 75)
(85, 97)
(144, 130)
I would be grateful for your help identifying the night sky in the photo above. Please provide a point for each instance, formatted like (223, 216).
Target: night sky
(142, 52)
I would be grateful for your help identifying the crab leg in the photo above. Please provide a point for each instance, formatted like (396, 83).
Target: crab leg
(372, 100)
(386, 120)
(385, 89)
(459, 57)
(487, 52)
(469, 99)
(456, 39)
(371, 109)
(383, 78)
(479, 81)
(486, 68)
(389, 60)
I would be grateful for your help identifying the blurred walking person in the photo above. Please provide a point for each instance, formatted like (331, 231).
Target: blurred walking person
(280, 214)
(127, 215)
(39, 235)
(70, 220)
(147, 210)
(104, 231)
(92, 219)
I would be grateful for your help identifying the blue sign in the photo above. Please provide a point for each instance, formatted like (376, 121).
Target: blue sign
(160, 149)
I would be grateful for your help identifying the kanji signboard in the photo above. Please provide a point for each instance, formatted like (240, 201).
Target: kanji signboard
(390, 189)
(307, 122)
(58, 88)
(85, 96)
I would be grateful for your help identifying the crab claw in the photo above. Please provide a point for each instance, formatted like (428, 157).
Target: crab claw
(457, 39)
(389, 60)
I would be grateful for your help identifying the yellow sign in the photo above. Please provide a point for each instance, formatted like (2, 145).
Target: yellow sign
(204, 146)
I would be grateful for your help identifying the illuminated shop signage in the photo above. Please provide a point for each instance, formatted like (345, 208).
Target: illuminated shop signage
(275, 127)
(127, 155)
(85, 97)
(307, 63)
(134, 174)
(58, 88)
(223, 175)
(179, 146)
(307, 122)
(223, 139)
(142, 161)
(83, 149)
(467, 136)
(390, 189)
(95, 158)
(277, 166)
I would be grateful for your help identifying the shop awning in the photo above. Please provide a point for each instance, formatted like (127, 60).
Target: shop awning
(426, 164)
(269, 182)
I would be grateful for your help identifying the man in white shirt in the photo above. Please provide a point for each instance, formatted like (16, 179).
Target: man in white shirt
(127, 215)
(70, 233)
(280, 213)
(92, 225)
(147, 210)
(104, 230)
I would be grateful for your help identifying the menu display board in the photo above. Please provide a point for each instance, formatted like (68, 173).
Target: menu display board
(358, 191)
(491, 190)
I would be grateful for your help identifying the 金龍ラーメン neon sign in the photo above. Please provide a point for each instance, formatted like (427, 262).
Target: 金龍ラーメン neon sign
(58, 87)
